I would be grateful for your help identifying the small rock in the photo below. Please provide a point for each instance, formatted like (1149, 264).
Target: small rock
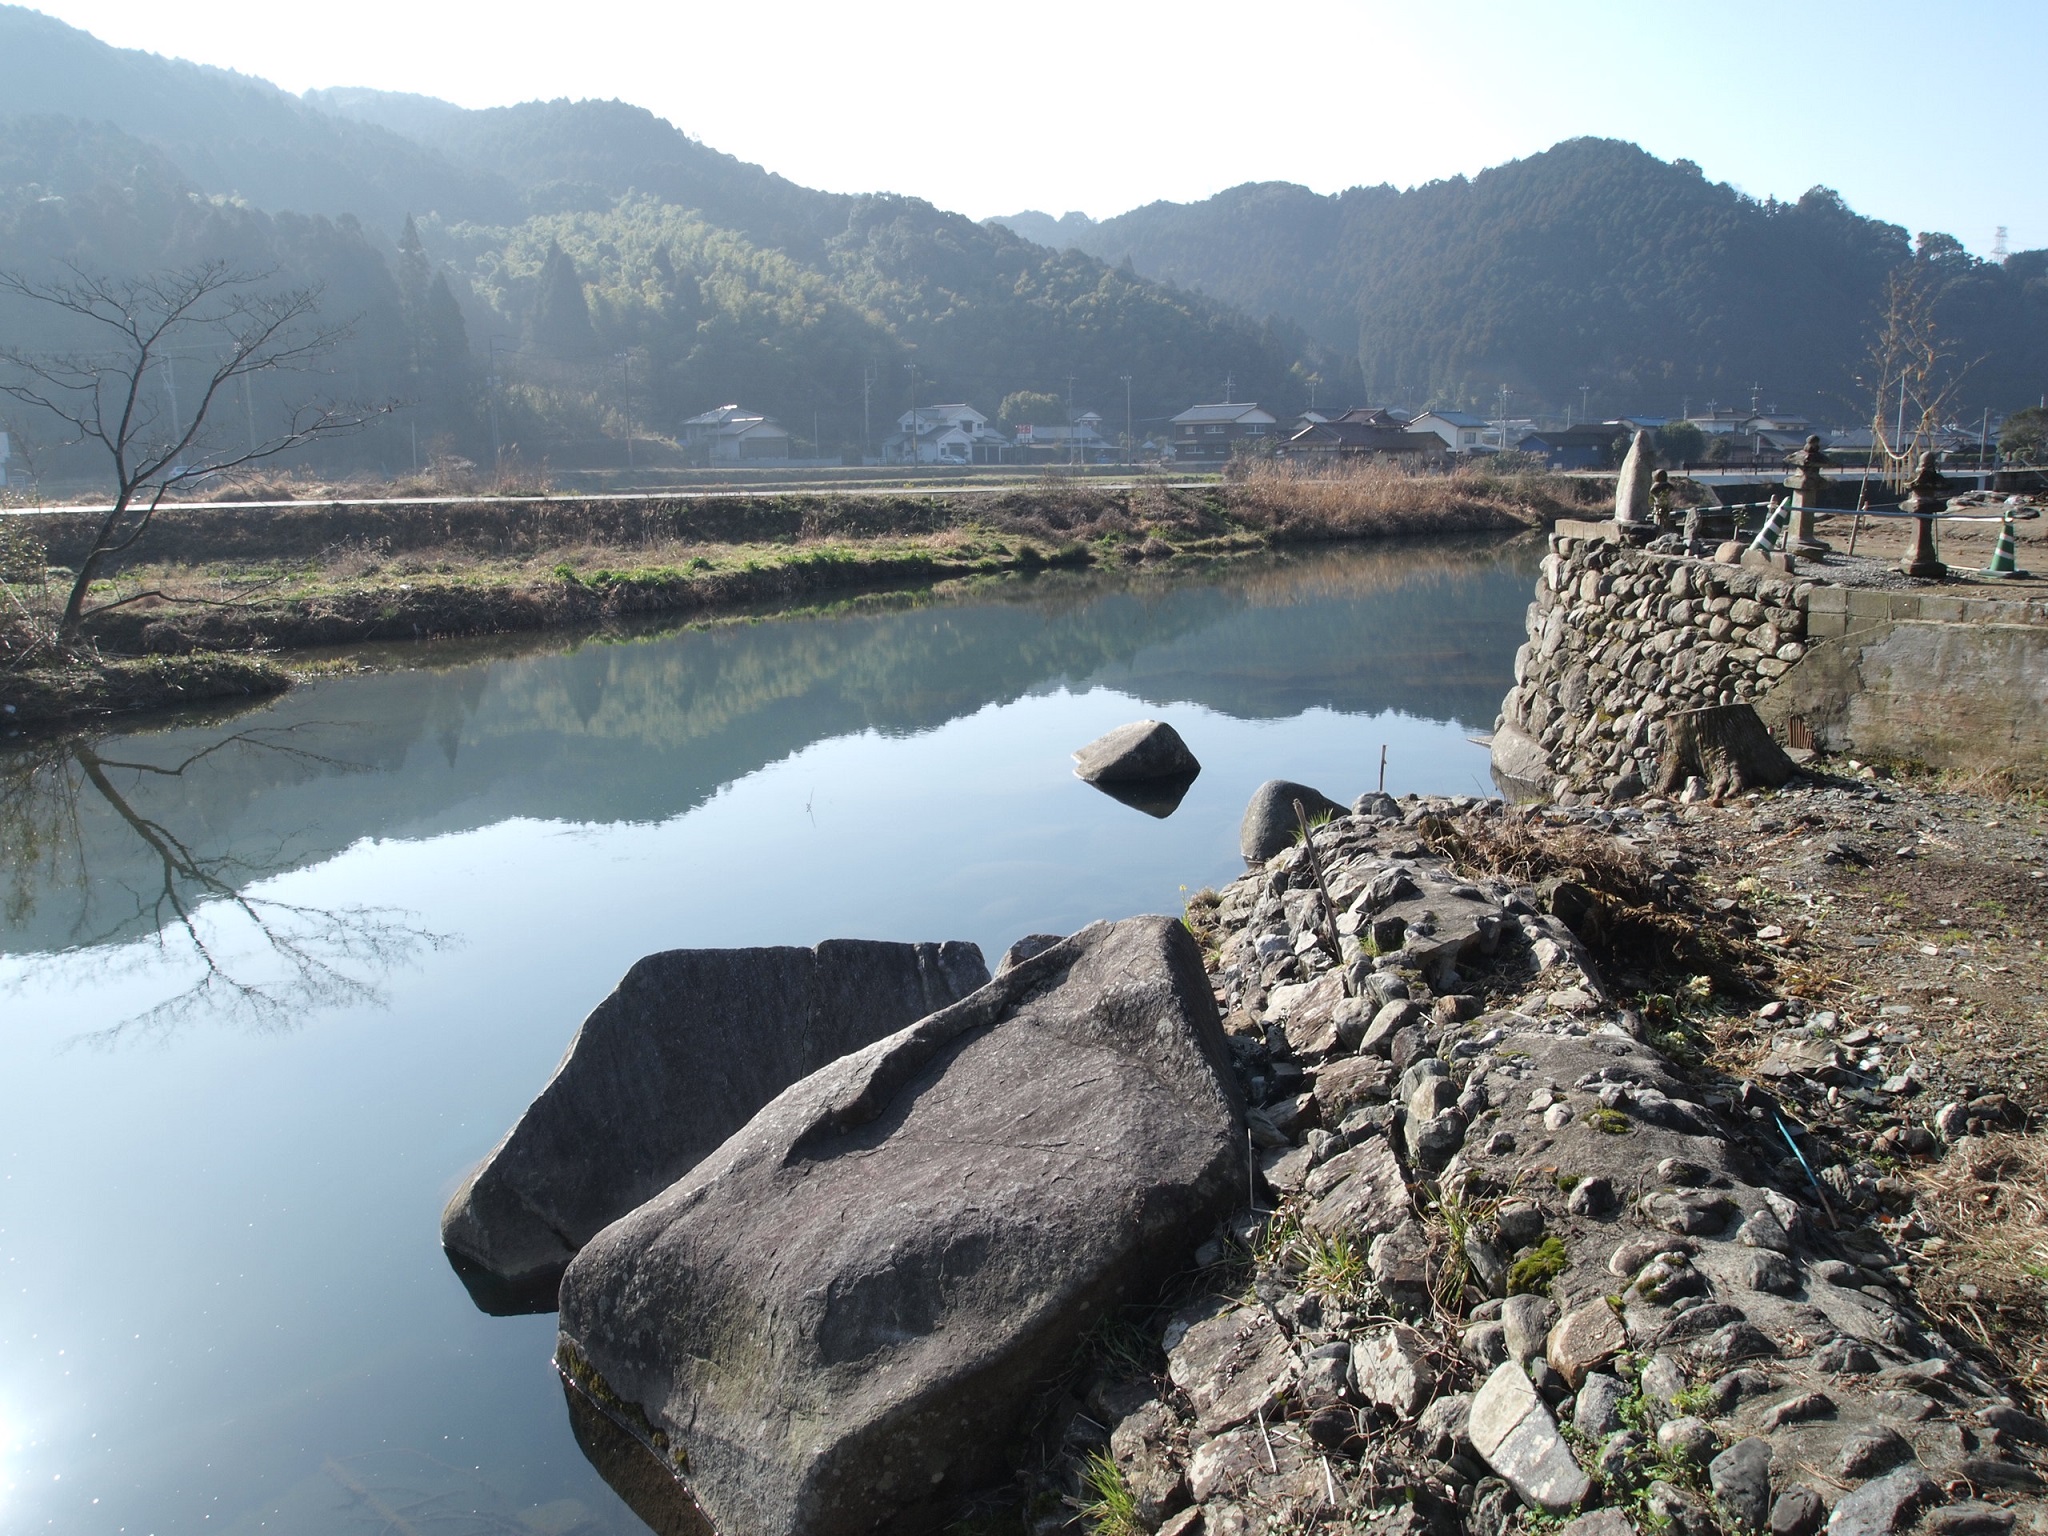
(1444, 1430)
(1994, 1471)
(1796, 1512)
(1676, 1511)
(1390, 1368)
(1688, 1212)
(1882, 1505)
(1592, 1196)
(1764, 1270)
(1583, 1338)
(1486, 1345)
(1145, 749)
(1601, 1522)
(1741, 1480)
(1515, 1435)
(1729, 1346)
(1614, 1466)
(1796, 1410)
(1760, 1229)
(1527, 1320)
(1844, 1357)
(1520, 1223)
(1663, 1379)
(2008, 1420)
(1685, 1175)
(1229, 1365)
(1871, 1450)
(1689, 1438)
(1597, 1409)
(1394, 1016)
(1972, 1517)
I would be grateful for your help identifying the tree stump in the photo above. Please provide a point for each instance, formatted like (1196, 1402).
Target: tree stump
(1727, 746)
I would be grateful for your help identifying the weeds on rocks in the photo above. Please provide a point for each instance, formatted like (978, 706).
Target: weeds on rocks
(1111, 1509)
(1985, 1271)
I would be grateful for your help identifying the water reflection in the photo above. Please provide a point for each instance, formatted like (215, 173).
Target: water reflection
(142, 872)
(641, 728)
(300, 1357)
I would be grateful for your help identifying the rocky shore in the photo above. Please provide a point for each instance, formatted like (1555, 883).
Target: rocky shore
(1575, 1204)
(1459, 1168)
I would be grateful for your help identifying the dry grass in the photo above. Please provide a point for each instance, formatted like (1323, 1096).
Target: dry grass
(1347, 499)
(1985, 1272)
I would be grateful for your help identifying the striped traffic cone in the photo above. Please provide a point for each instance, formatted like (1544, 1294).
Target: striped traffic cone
(2005, 558)
(1767, 537)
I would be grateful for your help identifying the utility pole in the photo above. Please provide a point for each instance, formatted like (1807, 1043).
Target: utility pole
(867, 431)
(1229, 379)
(1585, 410)
(1127, 420)
(626, 369)
(913, 411)
(1070, 421)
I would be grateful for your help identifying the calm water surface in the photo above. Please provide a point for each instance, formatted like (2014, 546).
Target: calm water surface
(270, 982)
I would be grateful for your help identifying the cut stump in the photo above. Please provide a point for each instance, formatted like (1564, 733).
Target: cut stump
(1729, 748)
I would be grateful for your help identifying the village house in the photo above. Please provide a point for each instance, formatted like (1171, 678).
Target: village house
(1081, 439)
(1344, 438)
(1592, 446)
(1211, 433)
(731, 434)
(944, 434)
(1459, 432)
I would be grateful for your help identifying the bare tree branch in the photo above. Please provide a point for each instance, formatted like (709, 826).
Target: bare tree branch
(235, 318)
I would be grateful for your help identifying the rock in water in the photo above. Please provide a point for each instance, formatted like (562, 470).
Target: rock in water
(837, 1319)
(1632, 490)
(1145, 749)
(1269, 823)
(687, 1047)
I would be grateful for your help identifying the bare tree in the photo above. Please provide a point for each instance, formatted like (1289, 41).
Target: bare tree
(122, 398)
(1911, 373)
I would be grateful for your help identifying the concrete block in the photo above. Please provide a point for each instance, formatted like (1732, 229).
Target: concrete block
(1827, 600)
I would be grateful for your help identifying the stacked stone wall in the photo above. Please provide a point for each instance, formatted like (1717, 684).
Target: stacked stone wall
(1619, 639)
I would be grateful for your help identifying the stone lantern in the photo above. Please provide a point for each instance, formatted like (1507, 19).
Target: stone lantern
(1808, 486)
(1928, 497)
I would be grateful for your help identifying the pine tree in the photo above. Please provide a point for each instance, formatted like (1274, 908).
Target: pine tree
(561, 314)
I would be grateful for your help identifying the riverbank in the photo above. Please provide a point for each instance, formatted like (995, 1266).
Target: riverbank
(285, 579)
(1675, 1169)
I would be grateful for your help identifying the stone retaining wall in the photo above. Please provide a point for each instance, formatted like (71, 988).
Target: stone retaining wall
(1620, 638)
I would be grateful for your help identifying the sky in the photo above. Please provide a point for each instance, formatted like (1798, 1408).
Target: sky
(990, 110)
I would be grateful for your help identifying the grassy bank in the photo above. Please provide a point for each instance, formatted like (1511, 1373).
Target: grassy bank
(212, 581)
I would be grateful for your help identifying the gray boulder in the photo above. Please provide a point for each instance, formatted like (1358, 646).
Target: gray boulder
(687, 1047)
(1145, 749)
(1269, 823)
(837, 1320)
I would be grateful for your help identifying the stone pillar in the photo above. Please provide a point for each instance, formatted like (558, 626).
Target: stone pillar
(1632, 491)
(1808, 485)
(1928, 496)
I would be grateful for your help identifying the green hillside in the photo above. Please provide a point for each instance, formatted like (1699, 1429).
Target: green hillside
(1592, 264)
(575, 270)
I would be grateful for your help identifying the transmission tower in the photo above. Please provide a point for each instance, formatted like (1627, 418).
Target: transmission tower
(1998, 250)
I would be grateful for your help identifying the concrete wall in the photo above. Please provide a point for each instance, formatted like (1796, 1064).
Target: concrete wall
(1619, 639)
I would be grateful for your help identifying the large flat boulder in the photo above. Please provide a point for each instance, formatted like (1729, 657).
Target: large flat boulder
(682, 1054)
(838, 1318)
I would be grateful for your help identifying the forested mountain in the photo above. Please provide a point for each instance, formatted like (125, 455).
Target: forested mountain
(555, 274)
(1590, 264)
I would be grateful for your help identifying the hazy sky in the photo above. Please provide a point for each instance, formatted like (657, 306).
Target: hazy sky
(1908, 110)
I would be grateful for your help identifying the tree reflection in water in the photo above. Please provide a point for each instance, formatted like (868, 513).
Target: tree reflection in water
(258, 961)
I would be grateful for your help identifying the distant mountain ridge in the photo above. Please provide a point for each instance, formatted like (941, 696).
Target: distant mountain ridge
(555, 274)
(1592, 263)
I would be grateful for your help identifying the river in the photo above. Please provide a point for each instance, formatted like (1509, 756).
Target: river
(272, 979)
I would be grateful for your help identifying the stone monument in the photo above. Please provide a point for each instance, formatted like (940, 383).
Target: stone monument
(1808, 486)
(1632, 510)
(1928, 497)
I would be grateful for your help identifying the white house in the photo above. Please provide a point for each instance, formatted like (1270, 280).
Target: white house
(1214, 431)
(730, 433)
(1461, 433)
(943, 434)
